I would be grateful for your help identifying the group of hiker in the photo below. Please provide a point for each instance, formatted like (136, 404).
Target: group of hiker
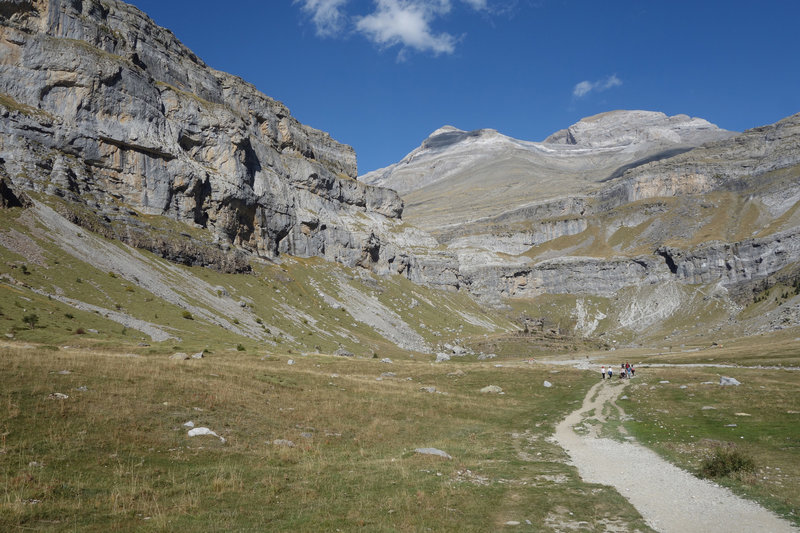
(626, 370)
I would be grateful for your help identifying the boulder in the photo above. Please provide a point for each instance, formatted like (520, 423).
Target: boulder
(491, 389)
(726, 381)
(433, 451)
(196, 432)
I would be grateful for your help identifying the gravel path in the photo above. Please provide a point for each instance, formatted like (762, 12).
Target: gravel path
(669, 499)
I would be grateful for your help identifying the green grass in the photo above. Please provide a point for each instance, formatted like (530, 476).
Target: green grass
(116, 455)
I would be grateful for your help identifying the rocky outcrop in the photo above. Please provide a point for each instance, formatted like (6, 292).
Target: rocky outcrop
(733, 263)
(117, 116)
(9, 198)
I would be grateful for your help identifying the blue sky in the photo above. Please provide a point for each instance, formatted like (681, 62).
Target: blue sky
(381, 75)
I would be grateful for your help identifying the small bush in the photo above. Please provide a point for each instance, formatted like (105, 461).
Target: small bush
(80, 331)
(69, 315)
(31, 319)
(726, 461)
(78, 280)
(129, 289)
(235, 320)
(259, 321)
(25, 270)
(187, 315)
(112, 275)
(240, 347)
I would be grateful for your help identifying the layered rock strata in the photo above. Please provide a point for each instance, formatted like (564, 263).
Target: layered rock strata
(105, 109)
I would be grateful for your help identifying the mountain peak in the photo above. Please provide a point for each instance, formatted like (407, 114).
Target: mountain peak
(624, 127)
(447, 136)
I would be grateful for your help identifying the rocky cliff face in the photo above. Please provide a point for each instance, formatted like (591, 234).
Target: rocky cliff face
(107, 110)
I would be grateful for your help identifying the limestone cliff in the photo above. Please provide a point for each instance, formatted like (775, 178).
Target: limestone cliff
(105, 109)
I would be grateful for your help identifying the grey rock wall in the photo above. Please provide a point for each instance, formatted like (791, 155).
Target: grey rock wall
(104, 108)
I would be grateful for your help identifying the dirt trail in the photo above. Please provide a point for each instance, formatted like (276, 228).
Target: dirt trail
(668, 498)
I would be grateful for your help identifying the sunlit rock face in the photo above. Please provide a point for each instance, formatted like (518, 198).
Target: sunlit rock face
(103, 107)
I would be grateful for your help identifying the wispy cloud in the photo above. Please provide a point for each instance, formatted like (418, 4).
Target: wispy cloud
(585, 87)
(327, 15)
(478, 5)
(408, 24)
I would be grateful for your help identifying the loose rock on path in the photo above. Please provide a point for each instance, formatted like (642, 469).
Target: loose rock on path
(669, 499)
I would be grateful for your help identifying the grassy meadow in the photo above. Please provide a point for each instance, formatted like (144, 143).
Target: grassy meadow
(115, 454)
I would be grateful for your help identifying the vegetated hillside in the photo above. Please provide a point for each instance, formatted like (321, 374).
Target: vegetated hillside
(86, 290)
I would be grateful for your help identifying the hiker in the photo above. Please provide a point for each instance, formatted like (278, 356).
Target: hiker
(622, 373)
(628, 369)
(603, 372)
(610, 372)
(633, 371)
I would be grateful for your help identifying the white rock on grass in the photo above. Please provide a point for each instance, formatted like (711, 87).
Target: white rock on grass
(180, 356)
(290, 362)
(386, 360)
(283, 442)
(57, 396)
(428, 389)
(547, 384)
(189, 424)
(433, 451)
(725, 381)
(198, 355)
(491, 389)
(442, 357)
(204, 431)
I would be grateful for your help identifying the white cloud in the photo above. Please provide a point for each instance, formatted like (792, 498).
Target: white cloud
(585, 87)
(408, 23)
(327, 15)
(404, 23)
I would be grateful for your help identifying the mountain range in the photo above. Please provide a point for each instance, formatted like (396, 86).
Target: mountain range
(628, 226)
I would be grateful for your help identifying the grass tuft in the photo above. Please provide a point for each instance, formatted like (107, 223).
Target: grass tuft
(727, 461)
